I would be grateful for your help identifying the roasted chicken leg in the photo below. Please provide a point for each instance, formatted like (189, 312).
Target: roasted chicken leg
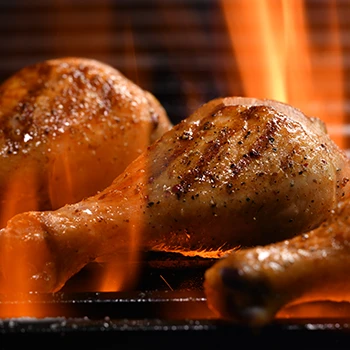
(236, 172)
(68, 127)
(252, 285)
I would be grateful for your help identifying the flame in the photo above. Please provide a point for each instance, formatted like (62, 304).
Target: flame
(21, 192)
(60, 176)
(120, 271)
(276, 59)
(63, 172)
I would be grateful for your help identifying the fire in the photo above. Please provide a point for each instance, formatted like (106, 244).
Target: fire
(203, 253)
(271, 44)
(62, 173)
(276, 59)
(120, 271)
(21, 193)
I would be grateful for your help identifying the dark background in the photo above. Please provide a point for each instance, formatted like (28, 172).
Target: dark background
(179, 50)
(175, 49)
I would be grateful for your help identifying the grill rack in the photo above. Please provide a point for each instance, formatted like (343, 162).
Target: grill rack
(160, 320)
(152, 315)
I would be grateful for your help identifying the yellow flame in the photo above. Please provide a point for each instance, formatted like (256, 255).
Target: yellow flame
(21, 192)
(277, 60)
(121, 271)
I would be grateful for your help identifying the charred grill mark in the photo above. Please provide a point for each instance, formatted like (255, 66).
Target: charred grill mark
(200, 169)
(214, 146)
(257, 149)
(185, 141)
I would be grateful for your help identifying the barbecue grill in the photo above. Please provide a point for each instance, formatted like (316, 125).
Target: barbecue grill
(181, 52)
(167, 309)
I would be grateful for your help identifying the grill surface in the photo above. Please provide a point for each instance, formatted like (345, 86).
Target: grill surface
(190, 63)
(152, 315)
(159, 320)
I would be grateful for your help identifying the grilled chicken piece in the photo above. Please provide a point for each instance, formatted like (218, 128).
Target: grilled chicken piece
(68, 127)
(236, 172)
(252, 285)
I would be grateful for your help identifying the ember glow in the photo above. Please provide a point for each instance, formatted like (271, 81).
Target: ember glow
(321, 309)
(203, 253)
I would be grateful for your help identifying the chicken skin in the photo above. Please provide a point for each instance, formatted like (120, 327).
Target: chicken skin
(68, 127)
(252, 285)
(237, 172)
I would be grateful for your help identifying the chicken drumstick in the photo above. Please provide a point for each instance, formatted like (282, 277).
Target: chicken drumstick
(236, 172)
(252, 285)
(68, 127)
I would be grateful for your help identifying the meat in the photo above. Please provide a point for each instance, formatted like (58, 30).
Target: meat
(237, 172)
(252, 285)
(68, 127)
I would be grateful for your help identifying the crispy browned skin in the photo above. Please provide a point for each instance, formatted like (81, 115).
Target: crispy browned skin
(68, 127)
(252, 285)
(234, 173)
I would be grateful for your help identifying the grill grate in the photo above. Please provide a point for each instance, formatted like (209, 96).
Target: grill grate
(159, 318)
(180, 51)
(204, 332)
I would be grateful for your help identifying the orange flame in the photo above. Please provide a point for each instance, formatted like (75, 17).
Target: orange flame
(21, 193)
(271, 43)
(120, 271)
(276, 60)
(60, 176)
